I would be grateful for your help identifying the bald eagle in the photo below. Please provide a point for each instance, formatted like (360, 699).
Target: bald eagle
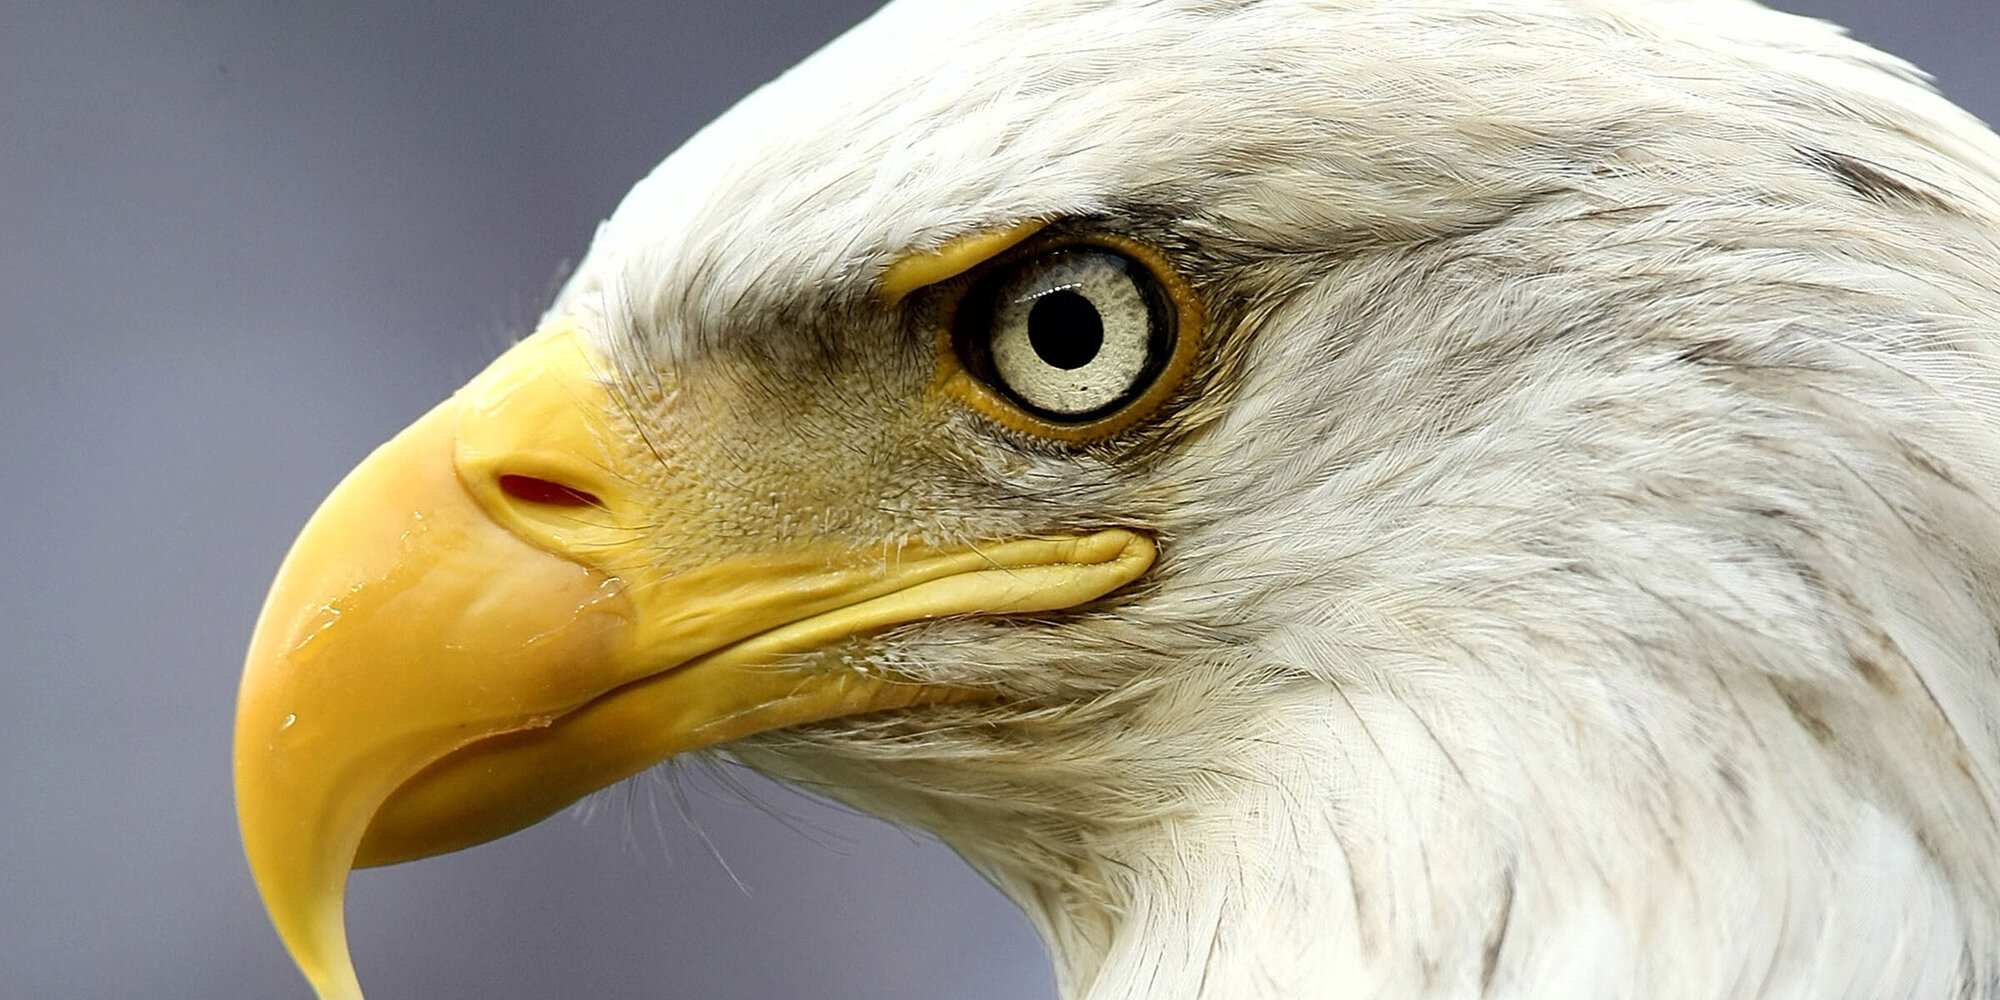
(1312, 498)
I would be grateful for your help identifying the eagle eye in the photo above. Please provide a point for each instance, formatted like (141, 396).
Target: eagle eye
(1073, 338)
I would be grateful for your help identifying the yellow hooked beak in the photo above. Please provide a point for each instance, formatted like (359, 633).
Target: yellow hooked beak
(473, 631)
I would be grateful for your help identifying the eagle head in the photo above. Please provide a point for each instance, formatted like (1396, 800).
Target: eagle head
(1389, 498)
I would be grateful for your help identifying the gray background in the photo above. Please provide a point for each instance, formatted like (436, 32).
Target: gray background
(240, 243)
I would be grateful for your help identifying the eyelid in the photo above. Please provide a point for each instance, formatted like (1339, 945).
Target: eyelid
(958, 255)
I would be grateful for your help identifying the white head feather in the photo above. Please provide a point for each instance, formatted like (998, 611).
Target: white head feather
(1581, 565)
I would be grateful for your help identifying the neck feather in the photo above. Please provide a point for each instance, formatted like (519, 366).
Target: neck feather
(1347, 851)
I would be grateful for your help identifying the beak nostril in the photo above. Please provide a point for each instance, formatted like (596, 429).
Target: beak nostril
(533, 489)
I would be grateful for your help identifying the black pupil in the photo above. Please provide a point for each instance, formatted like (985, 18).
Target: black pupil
(1065, 329)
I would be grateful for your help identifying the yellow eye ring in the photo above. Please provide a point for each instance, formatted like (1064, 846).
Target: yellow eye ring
(1181, 311)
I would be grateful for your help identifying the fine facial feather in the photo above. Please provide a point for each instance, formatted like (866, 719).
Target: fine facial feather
(1579, 570)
